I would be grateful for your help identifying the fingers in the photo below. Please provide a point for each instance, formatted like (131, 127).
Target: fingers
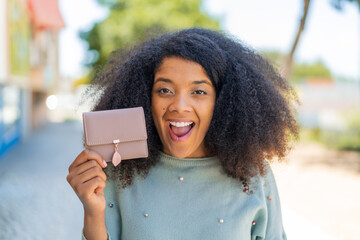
(96, 185)
(86, 155)
(93, 186)
(96, 171)
(87, 179)
(85, 172)
(85, 166)
(89, 183)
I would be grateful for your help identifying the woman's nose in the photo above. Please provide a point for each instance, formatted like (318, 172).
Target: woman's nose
(181, 103)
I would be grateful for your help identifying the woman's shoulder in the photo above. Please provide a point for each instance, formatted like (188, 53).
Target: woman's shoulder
(263, 184)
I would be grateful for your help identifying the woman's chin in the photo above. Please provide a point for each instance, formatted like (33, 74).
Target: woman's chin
(176, 153)
(187, 152)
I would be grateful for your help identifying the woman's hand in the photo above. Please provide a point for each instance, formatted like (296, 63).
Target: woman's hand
(88, 181)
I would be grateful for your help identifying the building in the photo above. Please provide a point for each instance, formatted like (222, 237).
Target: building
(325, 101)
(28, 65)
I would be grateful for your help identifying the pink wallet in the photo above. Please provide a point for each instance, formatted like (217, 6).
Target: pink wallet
(116, 135)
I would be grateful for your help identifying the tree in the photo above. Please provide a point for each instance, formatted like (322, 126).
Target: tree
(300, 71)
(303, 71)
(132, 21)
(289, 58)
(337, 4)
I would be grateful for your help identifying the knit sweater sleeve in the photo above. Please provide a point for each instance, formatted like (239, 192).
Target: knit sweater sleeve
(84, 238)
(274, 227)
(267, 224)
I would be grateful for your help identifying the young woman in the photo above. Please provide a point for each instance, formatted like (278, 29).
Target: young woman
(216, 113)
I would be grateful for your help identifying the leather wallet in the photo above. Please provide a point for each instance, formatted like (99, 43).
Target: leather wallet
(116, 135)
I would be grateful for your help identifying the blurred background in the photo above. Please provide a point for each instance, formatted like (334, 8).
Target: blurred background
(51, 49)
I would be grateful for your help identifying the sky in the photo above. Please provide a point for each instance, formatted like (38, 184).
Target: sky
(330, 36)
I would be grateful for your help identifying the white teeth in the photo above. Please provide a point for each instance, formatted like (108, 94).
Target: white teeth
(180, 124)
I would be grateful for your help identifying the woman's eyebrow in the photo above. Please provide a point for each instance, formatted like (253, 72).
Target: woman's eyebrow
(201, 82)
(163, 80)
(193, 82)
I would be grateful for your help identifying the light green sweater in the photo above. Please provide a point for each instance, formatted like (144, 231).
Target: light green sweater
(185, 199)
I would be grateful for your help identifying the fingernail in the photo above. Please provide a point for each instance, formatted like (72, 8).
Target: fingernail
(104, 162)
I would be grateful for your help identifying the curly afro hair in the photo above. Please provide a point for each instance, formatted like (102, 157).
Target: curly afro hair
(253, 116)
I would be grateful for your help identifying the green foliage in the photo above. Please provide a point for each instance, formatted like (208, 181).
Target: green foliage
(339, 4)
(348, 139)
(300, 71)
(306, 70)
(132, 21)
(81, 81)
(275, 57)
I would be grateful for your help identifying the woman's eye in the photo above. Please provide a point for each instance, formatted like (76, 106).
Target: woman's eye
(200, 92)
(163, 91)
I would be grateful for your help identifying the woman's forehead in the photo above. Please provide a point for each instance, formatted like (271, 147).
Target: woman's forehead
(176, 67)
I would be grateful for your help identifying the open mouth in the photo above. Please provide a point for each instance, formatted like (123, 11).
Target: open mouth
(180, 131)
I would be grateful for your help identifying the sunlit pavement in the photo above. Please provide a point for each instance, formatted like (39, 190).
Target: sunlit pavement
(320, 199)
(36, 202)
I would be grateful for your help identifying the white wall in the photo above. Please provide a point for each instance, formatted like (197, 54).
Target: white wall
(3, 41)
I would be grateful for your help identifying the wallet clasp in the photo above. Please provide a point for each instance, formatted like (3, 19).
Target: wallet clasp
(116, 159)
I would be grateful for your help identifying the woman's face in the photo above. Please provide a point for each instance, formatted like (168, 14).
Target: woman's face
(183, 100)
